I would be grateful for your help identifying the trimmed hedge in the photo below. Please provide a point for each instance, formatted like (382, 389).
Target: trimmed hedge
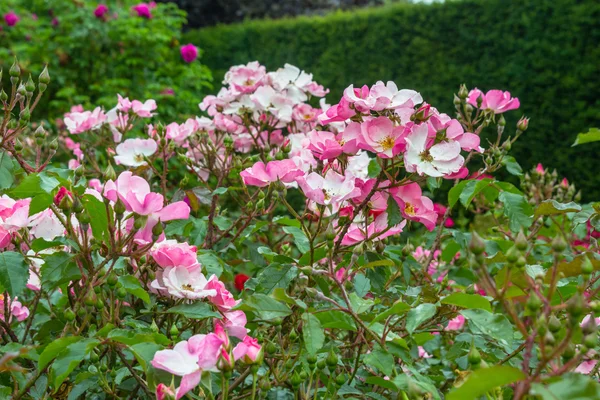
(545, 52)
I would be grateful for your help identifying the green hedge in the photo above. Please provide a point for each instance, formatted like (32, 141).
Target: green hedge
(545, 52)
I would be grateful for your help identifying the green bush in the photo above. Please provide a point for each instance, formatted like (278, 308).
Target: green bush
(543, 51)
(93, 58)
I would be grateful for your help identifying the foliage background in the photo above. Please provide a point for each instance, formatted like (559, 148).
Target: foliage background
(91, 60)
(543, 51)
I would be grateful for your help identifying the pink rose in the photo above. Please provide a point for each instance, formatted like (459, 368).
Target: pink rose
(189, 53)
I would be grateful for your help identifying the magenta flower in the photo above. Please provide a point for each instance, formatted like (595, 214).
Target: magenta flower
(142, 10)
(189, 53)
(101, 11)
(11, 18)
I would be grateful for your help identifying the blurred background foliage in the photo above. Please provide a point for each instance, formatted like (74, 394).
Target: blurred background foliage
(92, 59)
(543, 51)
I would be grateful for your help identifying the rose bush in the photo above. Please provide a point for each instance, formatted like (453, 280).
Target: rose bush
(281, 247)
(96, 49)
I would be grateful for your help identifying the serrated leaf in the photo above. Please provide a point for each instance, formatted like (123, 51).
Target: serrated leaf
(553, 207)
(98, 217)
(275, 276)
(593, 135)
(70, 358)
(493, 325)
(58, 268)
(418, 315)
(397, 308)
(266, 307)
(472, 189)
(380, 359)
(512, 166)
(465, 300)
(394, 216)
(196, 310)
(55, 347)
(517, 209)
(300, 238)
(454, 193)
(362, 285)
(374, 168)
(133, 286)
(335, 319)
(14, 272)
(481, 381)
(312, 333)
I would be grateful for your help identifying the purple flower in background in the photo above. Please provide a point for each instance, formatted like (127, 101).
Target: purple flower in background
(142, 10)
(189, 53)
(55, 21)
(11, 18)
(100, 11)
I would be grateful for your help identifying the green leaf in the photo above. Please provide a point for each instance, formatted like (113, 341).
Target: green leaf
(7, 177)
(58, 268)
(483, 380)
(144, 352)
(320, 252)
(593, 135)
(28, 187)
(98, 217)
(266, 307)
(335, 319)
(418, 315)
(472, 189)
(450, 251)
(70, 358)
(275, 276)
(379, 381)
(130, 337)
(14, 272)
(433, 183)
(300, 238)
(374, 168)
(553, 207)
(362, 285)
(39, 203)
(380, 359)
(133, 286)
(399, 307)
(212, 263)
(55, 347)
(358, 304)
(493, 325)
(512, 166)
(393, 212)
(454, 193)
(517, 209)
(312, 332)
(465, 300)
(569, 386)
(196, 310)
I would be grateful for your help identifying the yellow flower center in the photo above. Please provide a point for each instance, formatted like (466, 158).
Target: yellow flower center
(387, 143)
(187, 287)
(409, 209)
(426, 156)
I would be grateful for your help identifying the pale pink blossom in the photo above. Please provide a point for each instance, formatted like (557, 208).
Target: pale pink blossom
(133, 152)
(79, 122)
(170, 253)
(188, 359)
(495, 100)
(376, 230)
(223, 299)
(14, 215)
(45, 225)
(246, 78)
(145, 109)
(248, 350)
(456, 323)
(262, 175)
(380, 136)
(183, 283)
(586, 366)
(438, 160)
(235, 324)
(414, 206)
(324, 145)
(332, 188)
